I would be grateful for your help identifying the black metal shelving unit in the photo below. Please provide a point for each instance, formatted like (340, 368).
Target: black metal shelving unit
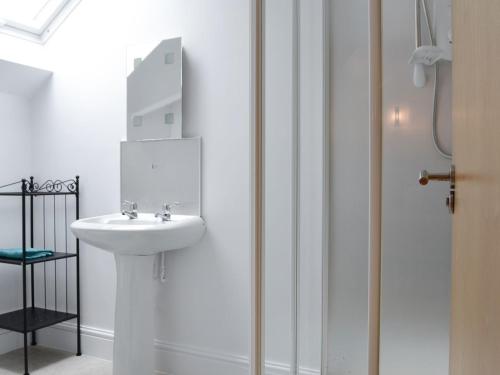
(38, 315)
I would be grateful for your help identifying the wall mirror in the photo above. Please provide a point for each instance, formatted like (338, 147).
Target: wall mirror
(154, 90)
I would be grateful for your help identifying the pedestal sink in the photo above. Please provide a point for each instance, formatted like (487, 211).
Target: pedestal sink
(134, 242)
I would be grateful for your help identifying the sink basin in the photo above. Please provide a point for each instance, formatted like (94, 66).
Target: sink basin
(134, 242)
(146, 235)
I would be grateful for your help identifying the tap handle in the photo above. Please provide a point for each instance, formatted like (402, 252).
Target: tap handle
(129, 205)
(169, 206)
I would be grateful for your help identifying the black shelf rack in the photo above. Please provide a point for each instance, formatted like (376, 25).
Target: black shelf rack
(30, 319)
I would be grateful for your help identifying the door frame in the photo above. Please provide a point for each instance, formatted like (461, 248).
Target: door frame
(375, 182)
(257, 186)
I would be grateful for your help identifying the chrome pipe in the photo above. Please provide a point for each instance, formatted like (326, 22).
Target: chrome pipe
(418, 25)
(428, 22)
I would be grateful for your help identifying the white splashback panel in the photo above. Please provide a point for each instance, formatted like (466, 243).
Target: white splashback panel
(155, 172)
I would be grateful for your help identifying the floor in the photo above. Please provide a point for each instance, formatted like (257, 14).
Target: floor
(45, 361)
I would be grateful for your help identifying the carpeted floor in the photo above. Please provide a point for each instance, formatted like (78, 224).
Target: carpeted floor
(45, 361)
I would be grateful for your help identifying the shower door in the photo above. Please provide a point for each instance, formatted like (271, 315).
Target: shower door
(294, 179)
(416, 224)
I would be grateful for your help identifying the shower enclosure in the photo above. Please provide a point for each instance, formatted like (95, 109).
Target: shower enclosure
(320, 290)
(416, 224)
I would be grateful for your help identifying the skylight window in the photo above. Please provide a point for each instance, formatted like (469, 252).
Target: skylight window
(35, 20)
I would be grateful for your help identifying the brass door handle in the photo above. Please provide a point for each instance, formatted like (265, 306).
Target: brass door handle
(425, 177)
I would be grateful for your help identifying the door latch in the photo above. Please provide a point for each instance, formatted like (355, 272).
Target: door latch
(425, 177)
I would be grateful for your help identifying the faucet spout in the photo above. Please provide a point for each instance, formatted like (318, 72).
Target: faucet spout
(130, 209)
(166, 213)
(165, 216)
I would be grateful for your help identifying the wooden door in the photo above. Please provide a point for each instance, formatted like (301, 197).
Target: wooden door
(475, 320)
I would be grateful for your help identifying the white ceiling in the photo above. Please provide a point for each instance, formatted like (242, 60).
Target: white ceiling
(21, 80)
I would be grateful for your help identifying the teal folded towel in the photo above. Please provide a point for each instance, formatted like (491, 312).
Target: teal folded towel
(31, 253)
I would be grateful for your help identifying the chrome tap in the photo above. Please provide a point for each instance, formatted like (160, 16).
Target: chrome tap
(129, 209)
(166, 213)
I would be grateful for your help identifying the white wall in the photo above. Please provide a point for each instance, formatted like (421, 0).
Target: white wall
(78, 120)
(15, 154)
(15, 148)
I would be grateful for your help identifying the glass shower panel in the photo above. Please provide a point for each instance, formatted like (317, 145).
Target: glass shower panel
(349, 152)
(416, 225)
(294, 198)
(279, 231)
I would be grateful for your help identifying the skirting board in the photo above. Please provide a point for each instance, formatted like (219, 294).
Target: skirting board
(172, 359)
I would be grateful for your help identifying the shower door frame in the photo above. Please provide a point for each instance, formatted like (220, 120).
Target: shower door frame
(257, 185)
(375, 182)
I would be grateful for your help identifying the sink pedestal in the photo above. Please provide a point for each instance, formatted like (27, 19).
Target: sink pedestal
(133, 351)
(135, 244)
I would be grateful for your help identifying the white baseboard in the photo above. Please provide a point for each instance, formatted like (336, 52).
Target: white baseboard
(96, 342)
(172, 358)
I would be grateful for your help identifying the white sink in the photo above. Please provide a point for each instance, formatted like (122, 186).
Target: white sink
(146, 235)
(134, 242)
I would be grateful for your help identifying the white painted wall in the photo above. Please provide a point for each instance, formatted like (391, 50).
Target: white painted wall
(15, 148)
(21, 80)
(78, 120)
(15, 154)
